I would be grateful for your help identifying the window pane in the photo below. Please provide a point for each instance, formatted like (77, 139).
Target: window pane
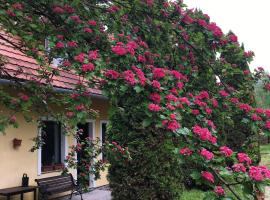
(51, 150)
(103, 135)
(104, 129)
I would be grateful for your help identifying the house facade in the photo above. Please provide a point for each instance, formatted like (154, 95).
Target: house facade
(15, 160)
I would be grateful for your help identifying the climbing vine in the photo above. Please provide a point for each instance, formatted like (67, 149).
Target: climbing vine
(180, 90)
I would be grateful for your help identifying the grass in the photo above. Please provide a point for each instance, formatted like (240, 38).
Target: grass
(193, 195)
(265, 155)
(199, 195)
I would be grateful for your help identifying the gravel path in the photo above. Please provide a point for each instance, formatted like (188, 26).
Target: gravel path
(267, 193)
(97, 194)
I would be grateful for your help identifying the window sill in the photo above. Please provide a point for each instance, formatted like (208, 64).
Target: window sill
(53, 171)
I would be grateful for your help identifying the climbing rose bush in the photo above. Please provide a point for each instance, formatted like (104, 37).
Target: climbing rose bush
(173, 78)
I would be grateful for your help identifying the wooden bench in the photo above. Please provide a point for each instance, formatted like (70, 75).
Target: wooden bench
(57, 184)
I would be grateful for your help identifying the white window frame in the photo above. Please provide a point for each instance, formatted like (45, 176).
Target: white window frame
(64, 148)
(100, 131)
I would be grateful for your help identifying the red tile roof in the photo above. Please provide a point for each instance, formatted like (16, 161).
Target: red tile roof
(21, 66)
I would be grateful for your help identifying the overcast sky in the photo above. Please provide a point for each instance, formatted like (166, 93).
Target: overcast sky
(248, 19)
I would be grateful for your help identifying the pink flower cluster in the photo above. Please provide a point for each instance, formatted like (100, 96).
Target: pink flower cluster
(267, 86)
(208, 176)
(255, 117)
(185, 151)
(140, 75)
(154, 107)
(219, 191)
(156, 84)
(239, 167)
(88, 67)
(215, 29)
(158, 73)
(112, 74)
(226, 151)
(129, 77)
(243, 158)
(259, 173)
(93, 55)
(207, 154)
(173, 125)
(204, 134)
(245, 107)
(80, 57)
(223, 93)
(121, 49)
(155, 97)
(233, 38)
(267, 125)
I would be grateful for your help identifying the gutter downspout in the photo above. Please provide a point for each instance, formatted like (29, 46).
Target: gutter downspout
(56, 89)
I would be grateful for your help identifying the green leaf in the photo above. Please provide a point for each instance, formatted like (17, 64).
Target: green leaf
(245, 120)
(123, 88)
(138, 89)
(261, 187)
(195, 175)
(184, 131)
(147, 122)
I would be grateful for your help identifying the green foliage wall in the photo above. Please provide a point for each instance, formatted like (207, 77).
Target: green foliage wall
(154, 171)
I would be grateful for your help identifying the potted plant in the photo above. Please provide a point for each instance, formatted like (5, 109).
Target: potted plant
(47, 168)
(58, 166)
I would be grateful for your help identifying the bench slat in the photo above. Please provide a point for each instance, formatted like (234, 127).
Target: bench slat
(48, 182)
(53, 178)
(57, 184)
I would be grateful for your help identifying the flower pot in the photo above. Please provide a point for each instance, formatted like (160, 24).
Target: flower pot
(58, 166)
(16, 142)
(47, 168)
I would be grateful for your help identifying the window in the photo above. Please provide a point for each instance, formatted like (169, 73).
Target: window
(53, 151)
(103, 134)
(55, 61)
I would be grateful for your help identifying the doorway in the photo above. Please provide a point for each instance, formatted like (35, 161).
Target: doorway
(87, 130)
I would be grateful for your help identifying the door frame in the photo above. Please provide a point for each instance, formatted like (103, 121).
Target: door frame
(100, 132)
(92, 182)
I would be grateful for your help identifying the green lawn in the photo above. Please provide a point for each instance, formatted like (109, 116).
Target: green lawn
(193, 195)
(199, 195)
(265, 153)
